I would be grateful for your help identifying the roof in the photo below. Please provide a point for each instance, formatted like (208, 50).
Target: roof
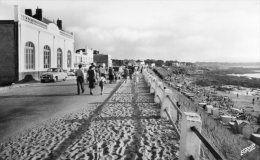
(78, 50)
(47, 21)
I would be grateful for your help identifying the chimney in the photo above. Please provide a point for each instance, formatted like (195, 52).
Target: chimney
(16, 12)
(59, 24)
(96, 52)
(39, 14)
(28, 12)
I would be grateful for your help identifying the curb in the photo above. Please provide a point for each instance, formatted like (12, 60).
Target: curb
(13, 86)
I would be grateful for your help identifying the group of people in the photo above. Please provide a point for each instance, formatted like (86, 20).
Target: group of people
(93, 76)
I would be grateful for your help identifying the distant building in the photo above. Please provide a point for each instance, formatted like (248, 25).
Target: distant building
(103, 60)
(31, 45)
(95, 52)
(132, 63)
(176, 63)
(139, 62)
(84, 57)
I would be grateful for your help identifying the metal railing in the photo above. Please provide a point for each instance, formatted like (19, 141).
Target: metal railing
(179, 118)
(173, 124)
(179, 113)
(193, 129)
(206, 143)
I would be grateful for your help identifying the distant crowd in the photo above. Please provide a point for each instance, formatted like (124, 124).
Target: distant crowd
(99, 75)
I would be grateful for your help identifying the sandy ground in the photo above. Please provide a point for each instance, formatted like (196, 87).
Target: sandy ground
(243, 99)
(23, 107)
(127, 126)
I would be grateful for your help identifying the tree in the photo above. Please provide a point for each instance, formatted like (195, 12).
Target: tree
(169, 63)
(149, 61)
(159, 63)
(117, 62)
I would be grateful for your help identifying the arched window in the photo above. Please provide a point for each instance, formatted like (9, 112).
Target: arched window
(47, 56)
(59, 58)
(69, 59)
(29, 55)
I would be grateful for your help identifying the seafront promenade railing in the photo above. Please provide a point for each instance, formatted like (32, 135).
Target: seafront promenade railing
(188, 125)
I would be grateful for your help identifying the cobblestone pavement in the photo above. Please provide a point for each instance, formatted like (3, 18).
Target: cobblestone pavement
(126, 126)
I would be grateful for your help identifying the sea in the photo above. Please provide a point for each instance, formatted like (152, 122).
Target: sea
(249, 75)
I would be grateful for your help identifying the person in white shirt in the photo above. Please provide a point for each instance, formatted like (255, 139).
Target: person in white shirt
(80, 79)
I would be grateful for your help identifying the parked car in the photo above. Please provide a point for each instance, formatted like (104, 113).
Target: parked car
(71, 72)
(53, 75)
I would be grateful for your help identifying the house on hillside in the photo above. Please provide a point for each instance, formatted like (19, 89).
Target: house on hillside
(175, 63)
(139, 63)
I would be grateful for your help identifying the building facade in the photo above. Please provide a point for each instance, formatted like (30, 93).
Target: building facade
(103, 60)
(34, 44)
(84, 57)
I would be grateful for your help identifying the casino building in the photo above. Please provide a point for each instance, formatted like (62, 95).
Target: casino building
(30, 44)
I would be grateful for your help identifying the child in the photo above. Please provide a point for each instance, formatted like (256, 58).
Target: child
(101, 82)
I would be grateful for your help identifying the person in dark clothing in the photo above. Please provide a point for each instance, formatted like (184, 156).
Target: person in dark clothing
(80, 79)
(131, 71)
(126, 72)
(91, 78)
(110, 74)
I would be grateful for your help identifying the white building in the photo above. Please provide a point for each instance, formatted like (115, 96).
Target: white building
(42, 44)
(84, 57)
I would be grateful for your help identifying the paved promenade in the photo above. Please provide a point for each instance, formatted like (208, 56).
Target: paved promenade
(125, 126)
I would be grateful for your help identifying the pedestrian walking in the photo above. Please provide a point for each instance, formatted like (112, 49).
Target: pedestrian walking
(101, 82)
(80, 79)
(131, 72)
(110, 74)
(126, 73)
(91, 78)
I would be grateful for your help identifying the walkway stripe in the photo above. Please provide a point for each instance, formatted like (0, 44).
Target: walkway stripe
(55, 154)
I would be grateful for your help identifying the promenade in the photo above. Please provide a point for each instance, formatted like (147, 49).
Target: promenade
(126, 125)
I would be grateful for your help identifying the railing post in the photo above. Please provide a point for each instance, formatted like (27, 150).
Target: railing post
(152, 87)
(150, 80)
(156, 95)
(166, 103)
(189, 142)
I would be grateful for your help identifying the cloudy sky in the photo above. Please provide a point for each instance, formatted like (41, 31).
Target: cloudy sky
(185, 30)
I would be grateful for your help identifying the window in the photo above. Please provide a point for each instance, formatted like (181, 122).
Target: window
(69, 59)
(29, 56)
(59, 58)
(47, 56)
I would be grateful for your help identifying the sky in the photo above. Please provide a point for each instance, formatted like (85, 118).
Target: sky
(184, 30)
